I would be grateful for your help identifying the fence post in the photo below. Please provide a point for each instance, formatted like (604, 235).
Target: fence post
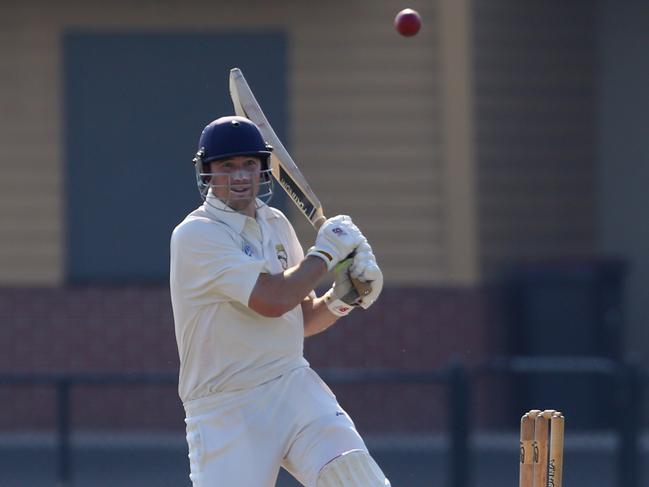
(629, 425)
(63, 430)
(459, 415)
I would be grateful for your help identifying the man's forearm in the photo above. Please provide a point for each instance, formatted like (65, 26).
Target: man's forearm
(276, 294)
(317, 317)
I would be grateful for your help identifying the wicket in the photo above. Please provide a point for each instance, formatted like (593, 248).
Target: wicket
(541, 443)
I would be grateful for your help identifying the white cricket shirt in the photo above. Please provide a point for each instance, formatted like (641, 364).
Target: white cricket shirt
(216, 258)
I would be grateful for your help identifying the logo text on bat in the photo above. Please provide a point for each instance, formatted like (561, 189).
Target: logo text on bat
(296, 195)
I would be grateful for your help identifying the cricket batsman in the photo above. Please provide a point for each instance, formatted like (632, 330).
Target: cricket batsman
(243, 300)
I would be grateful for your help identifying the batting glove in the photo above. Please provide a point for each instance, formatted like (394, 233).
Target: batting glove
(342, 298)
(365, 268)
(336, 239)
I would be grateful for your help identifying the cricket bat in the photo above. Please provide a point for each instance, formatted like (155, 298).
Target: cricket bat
(282, 166)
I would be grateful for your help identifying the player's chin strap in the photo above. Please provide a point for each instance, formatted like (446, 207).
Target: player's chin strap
(355, 468)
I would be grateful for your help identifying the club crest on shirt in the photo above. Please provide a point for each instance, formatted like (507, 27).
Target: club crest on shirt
(282, 256)
(247, 249)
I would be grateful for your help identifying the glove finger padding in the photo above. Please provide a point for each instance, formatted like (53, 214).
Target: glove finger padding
(366, 269)
(345, 289)
(342, 298)
(374, 276)
(363, 255)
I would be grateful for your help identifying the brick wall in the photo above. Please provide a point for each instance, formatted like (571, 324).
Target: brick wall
(130, 329)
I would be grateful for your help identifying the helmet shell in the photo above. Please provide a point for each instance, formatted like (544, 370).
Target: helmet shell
(232, 136)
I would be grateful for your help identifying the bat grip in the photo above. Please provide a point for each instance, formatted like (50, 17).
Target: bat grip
(317, 223)
(362, 288)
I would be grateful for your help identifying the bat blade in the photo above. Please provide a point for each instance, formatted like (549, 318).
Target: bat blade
(282, 165)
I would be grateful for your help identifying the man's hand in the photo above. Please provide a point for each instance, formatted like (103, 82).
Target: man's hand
(365, 268)
(342, 298)
(336, 239)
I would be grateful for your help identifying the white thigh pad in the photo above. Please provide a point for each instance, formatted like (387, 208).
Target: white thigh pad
(355, 468)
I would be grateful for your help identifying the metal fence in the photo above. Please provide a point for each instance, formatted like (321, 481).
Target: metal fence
(457, 379)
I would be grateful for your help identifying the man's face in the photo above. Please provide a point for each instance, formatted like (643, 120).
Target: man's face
(235, 181)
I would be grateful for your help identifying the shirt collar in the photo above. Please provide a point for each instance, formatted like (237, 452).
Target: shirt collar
(235, 220)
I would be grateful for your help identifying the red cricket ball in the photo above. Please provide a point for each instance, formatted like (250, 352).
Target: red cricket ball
(407, 22)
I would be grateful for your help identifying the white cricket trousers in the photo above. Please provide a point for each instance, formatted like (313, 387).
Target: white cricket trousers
(240, 439)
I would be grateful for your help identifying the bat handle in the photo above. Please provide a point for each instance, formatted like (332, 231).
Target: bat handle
(317, 223)
(362, 288)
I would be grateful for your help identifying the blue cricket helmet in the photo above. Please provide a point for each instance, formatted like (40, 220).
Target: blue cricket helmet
(229, 137)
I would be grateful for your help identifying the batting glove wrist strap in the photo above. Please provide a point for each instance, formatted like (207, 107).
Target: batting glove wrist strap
(322, 254)
(337, 306)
